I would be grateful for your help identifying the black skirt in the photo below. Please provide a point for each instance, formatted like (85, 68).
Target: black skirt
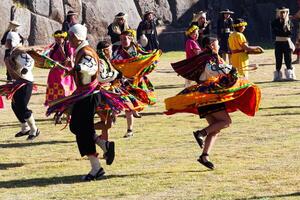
(206, 110)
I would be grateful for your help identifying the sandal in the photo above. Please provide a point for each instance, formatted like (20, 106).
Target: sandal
(207, 164)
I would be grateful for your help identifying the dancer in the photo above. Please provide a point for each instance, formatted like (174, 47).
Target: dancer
(19, 65)
(224, 29)
(282, 30)
(59, 85)
(84, 101)
(240, 48)
(192, 48)
(128, 56)
(218, 92)
(147, 33)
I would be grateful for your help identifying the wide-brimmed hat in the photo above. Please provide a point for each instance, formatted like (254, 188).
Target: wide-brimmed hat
(71, 12)
(226, 11)
(14, 23)
(283, 9)
(239, 22)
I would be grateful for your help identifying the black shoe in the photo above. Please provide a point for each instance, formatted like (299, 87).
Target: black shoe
(207, 164)
(110, 154)
(20, 134)
(32, 137)
(90, 177)
(199, 138)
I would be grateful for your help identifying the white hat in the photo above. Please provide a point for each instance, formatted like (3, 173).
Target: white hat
(14, 37)
(15, 23)
(80, 31)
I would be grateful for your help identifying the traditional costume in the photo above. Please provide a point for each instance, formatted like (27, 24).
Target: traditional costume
(135, 64)
(216, 88)
(282, 30)
(218, 92)
(147, 28)
(239, 57)
(59, 85)
(135, 60)
(192, 47)
(83, 102)
(224, 29)
(20, 65)
(1, 103)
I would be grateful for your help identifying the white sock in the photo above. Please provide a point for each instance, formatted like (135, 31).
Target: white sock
(31, 123)
(101, 143)
(95, 164)
(24, 127)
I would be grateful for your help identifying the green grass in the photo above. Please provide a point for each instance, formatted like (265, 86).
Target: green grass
(255, 158)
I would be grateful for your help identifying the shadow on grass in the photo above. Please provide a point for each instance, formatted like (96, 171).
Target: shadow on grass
(17, 124)
(144, 114)
(4, 166)
(275, 82)
(295, 194)
(28, 144)
(281, 114)
(162, 87)
(40, 182)
(279, 107)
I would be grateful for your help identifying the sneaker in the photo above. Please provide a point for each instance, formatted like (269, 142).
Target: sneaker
(90, 177)
(32, 137)
(128, 134)
(110, 154)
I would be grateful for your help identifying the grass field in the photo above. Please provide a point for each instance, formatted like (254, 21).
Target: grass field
(255, 158)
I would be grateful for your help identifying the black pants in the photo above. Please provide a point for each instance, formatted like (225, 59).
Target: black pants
(82, 124)
(20, 102)
(6, 55)
(283, 49)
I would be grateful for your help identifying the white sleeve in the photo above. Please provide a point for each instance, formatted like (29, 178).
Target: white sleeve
(213, 70)
(88, 66)
(25, 65)
(105, 74)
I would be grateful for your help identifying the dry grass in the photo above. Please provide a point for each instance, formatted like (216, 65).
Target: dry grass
(256, 158)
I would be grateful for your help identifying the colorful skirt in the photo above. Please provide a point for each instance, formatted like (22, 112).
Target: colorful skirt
(235, 94)
(1, 103)
(58, 86)
(8, 90)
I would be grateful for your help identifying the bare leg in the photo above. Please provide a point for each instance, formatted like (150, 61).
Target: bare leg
(129, 118)
(217, 121)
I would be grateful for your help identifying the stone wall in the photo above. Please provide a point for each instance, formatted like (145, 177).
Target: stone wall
(40, 18)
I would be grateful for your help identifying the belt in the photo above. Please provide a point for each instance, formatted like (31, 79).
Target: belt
(237, 51)
(282, 39)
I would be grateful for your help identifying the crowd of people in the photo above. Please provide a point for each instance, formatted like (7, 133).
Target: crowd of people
(84, 82)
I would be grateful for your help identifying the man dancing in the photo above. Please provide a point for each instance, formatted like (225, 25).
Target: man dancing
(19, 65)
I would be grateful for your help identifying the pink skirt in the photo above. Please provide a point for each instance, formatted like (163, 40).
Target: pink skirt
(58, 86)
